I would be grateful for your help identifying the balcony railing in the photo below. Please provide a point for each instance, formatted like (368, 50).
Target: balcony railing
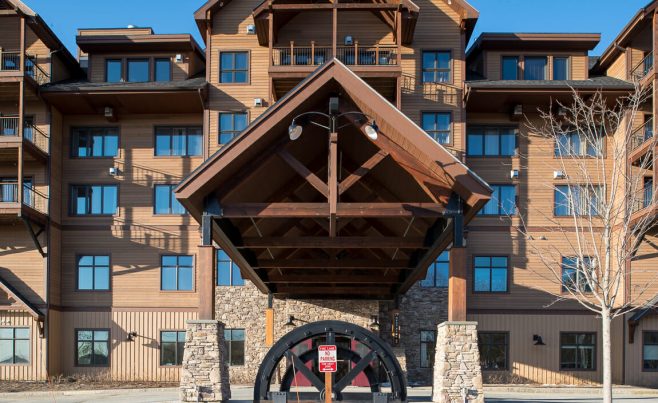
(642, 134)
(643, 198)
(31, 197)
(11, 61)
(353, 55)
(643, 68)
(31, 133)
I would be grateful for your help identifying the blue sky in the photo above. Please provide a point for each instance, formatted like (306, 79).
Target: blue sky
(607, 17)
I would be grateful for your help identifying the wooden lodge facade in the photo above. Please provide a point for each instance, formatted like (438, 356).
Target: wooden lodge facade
(148, 181)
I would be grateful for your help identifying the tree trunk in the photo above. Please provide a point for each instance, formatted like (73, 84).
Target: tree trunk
(607, 356)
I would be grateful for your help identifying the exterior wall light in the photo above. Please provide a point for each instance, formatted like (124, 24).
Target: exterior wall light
(131, 336)
(538, 340)
(291, 322)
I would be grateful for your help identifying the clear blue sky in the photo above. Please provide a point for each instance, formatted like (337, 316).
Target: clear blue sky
(607, 17)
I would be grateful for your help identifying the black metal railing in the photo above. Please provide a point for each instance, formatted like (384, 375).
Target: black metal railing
(643, 68)
(642, 134)
(643, 198)
(352, 55)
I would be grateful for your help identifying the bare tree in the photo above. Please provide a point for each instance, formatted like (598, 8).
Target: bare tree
(598, 204)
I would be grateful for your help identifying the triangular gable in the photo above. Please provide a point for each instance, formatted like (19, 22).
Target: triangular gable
(16, 296)
(441, 164)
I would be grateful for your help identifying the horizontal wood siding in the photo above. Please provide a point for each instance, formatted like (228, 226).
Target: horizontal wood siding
(36, 369)
(179, 71)
(578, 63)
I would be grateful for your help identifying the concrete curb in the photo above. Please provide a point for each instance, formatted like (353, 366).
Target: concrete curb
(528, 389)
(83, 392)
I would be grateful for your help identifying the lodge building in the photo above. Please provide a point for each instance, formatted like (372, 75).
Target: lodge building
(112, 159)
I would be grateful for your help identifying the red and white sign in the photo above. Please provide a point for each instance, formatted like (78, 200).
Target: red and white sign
(327, 358)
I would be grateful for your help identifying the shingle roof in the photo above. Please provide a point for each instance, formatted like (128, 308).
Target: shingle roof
(592, 83)
(84, 86)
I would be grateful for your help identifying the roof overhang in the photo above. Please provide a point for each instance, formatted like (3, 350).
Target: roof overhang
(139, 43)
(21, 302)
(274, 215)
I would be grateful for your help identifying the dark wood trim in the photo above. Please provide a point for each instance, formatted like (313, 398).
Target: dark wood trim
(596, 350)
(309, 242)
(509, 275)
(75, 347)
(507, 349)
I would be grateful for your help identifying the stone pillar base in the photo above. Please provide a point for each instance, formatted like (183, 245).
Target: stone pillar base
(457, 364)
(204, 374)
(401, 356)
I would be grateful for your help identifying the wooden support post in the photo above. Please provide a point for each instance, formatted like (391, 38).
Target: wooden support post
(269, 327)
(206, 285)
(23, 42)
(654, 99)
(457, 285)
(334, 34)
(333, 183)
(327, 387)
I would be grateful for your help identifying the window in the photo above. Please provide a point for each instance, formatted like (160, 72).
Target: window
(438, 125)
(510, 68)
(234, 67)
(94, 142)
(560, 68)
(502, 203)
(535, 68)
(14, 345)
(438, 272)
(578, 351)
(234, 339)
(581, 200)
(94, 273)
(574, 273)
(436, 67)
(230, 125)
(94, 199)
(491, 142)
(493, 350)
(92, 348)
(138, 70)
(178, 141)
(228, 273)
(177, 273)
(113, 70)
(166, 202)
(490, 274)
(575, 144)
(649, 351)
(172, 345)
(163, 69)
(427, 346)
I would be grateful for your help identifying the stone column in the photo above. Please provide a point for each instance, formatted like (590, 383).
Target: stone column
(204, 375)
(457, 364)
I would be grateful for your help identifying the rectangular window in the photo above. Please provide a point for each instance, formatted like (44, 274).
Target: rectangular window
(427, 347)
(510, 68)
(234, 339)
(228, 273)
(490, 274)
(94, 142)
(230, 125)
(93, 273)
(493, 350)
(535, 68)
(436, 66)
(166, 202)
(649, 351)
(14, 345)
(575, 144)
(172, 346)
(94, 199)
(178, 141)
(234, 67)
(580, 200)
(438, 272)
(575, 271)
(502, 202)
(138, 70)
(92, 348)
(438, 125)
(491, 142)
(113, 70)
(163, 70)
(578, 351)
(177, 273)
(560, 68)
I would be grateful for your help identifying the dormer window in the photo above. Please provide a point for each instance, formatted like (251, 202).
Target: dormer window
(535, 68)
(113, 70)
(560, 68)
(138, 70)
(162, 69)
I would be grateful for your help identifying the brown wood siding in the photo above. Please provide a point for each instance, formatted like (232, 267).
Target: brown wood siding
(136, 360)
(541, 364)
(578, 63)
(36, 369)
(619, 68)
(179, 71)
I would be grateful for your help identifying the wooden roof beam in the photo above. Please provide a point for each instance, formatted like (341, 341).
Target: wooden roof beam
(333, 279)
(354, 264)
(315, 242)
(304, 172)
(349, 210)
(361, 171)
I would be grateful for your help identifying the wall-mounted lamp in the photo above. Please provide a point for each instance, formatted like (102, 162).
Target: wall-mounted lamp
(538, 340)
(131, 336)
(374, 322)
(291, 321)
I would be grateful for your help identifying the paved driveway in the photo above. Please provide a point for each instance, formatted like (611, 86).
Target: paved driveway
(243, 395)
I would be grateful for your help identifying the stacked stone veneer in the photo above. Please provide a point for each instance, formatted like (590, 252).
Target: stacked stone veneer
(457, 364)
(204, 375)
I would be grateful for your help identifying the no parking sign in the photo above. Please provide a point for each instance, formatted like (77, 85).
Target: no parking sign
(327, 358)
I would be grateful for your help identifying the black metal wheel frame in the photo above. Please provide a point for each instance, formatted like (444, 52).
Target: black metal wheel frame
(331, 329)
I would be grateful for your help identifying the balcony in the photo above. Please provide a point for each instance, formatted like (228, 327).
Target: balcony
(641, 141)
(36, 142)
(643, 198)
(10, 62)
(643, 69)
(34, 204)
